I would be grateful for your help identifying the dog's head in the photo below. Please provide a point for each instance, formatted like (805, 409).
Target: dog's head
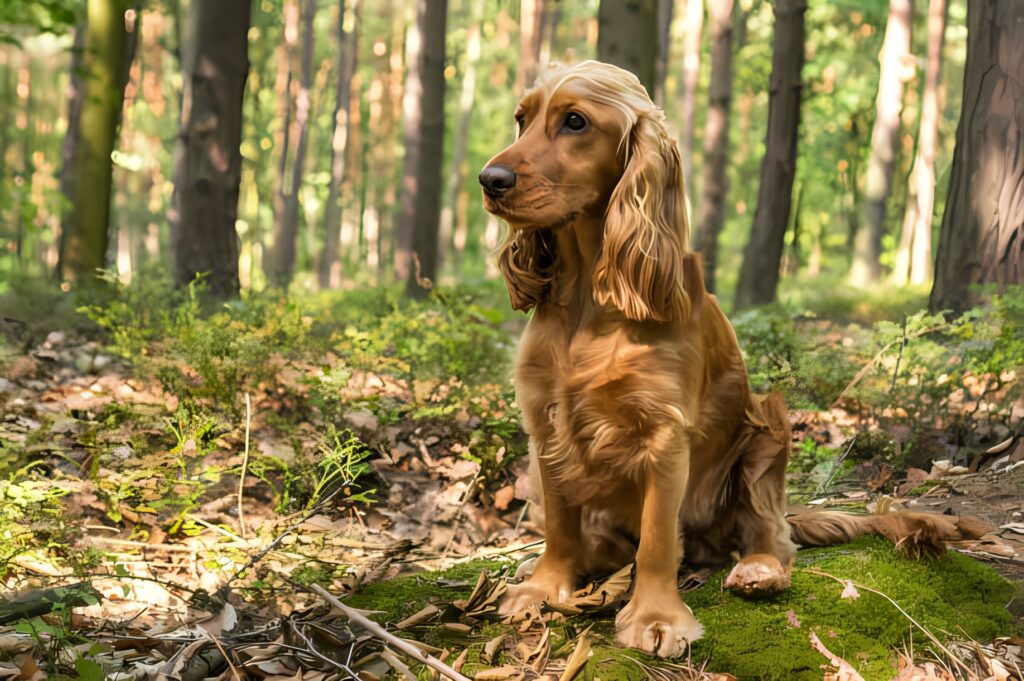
(590, 142)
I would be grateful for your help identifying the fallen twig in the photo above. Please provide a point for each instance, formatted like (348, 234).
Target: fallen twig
(380, 632)
(245, 465)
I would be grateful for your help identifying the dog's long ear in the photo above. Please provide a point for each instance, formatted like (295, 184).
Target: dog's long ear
(527, 259)
(640, 269)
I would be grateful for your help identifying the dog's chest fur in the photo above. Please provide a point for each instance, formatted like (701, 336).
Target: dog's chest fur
(603, 405)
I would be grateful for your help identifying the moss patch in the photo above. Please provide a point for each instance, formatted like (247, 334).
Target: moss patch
(756, 639)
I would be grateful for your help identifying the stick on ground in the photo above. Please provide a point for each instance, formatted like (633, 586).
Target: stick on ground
(381, 633)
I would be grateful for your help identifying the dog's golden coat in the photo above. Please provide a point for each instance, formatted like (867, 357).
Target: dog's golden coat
(633, 388)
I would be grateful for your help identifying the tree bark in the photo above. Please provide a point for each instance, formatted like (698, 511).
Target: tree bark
(885, 143)
(457, 174)
(327, 276)
(531, 13)
(215, 64)
(914, 256)
(287, 228)
(694, 22)
(627, 37)
(85, 236)
(759, 275)
(412, 113)
(716, 141)
(981, 240)
(666, 8)
(432, 17)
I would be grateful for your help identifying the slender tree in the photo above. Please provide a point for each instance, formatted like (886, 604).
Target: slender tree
(457, 173)
(627, 37)
(412, 113)
(347, 52)
(693, 25)
(981, 240)
(531, 13)
(282, 260)
(914, 255)
(421, 188)
(716, 140)
(86, 227)
(666, 8)
(885, 142)
(208, 161)
(759, 275)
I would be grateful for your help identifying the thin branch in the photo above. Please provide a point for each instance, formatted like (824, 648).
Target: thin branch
(380, 632)
(245, 464)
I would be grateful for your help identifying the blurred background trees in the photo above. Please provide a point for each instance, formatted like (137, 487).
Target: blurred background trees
(323, 145)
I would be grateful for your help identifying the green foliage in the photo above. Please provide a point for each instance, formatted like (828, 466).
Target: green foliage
(922, 368)
(755, 638)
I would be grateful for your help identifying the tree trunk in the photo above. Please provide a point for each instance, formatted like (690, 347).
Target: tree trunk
(914, 256)
(327, 276)
(287, 228)
(85, 237)
(412, 113)
(982, 235)
(759, 275)
(716, 141)
(627, 37)
(457, 174)
(694, 22)
(531, 13)
(208, 164)
(432, 17)
(665, 10)
(885, 143)
(75, 98)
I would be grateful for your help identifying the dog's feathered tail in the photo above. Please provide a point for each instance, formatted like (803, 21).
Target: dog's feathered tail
(915, 534)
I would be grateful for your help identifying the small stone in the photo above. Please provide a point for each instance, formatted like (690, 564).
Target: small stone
(101, 362)
(54, 338)
(83, 362)
(958, 470)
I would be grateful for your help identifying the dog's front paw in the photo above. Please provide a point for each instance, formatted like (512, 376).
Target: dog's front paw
(542, 587)
(662, 627)
(760, 573)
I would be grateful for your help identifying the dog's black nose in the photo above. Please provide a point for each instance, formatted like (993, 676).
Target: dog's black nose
(497, 180)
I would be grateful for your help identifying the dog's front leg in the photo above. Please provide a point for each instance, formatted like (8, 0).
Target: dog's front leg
(656, 620)
(554, 578)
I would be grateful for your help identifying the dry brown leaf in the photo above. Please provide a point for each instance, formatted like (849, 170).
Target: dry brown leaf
(418, 618)
(492, 647)
(578, 660)
(499, 673)
(594, 598)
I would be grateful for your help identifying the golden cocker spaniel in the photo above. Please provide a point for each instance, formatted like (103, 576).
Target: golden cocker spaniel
(632, 386)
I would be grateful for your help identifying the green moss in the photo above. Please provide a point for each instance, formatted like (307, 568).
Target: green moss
(754, 639)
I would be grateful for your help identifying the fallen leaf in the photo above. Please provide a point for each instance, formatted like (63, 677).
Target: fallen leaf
(793, 621)
(850, 591)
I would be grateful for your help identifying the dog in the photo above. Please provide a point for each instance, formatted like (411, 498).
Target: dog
(631, 383)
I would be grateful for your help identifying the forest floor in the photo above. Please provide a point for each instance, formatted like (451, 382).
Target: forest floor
(146, 538)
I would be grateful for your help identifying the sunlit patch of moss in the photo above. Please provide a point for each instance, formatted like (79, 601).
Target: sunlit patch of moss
(756, 639)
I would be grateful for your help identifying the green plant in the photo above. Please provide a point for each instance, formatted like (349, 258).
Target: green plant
(342, 462)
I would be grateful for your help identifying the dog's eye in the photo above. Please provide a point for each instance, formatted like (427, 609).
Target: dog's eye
(575, 122)
(520, 122)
